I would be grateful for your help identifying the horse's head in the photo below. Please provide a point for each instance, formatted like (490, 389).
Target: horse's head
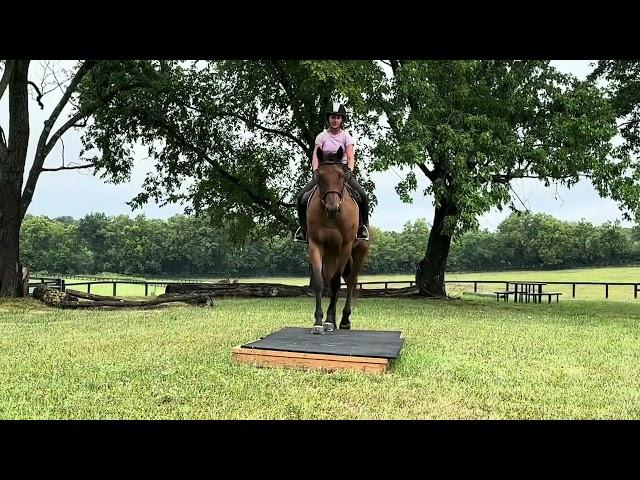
(331, 180)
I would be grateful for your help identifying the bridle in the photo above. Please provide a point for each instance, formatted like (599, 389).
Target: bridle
(323, 195)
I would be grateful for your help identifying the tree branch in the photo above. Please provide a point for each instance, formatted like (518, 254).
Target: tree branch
(253, 123)
(288, 135)
(39, 94)
(623, 124)
(286, 86)
(506, 178)
(266, 204)
(429, 173)
(518, 197)
(3, 145)
(77, 167)
(6, 74)
(43, 148)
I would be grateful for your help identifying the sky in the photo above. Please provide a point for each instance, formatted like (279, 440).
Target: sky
(77, 193)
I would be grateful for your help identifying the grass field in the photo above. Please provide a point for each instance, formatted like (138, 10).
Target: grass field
(583, 292)
(470, 358)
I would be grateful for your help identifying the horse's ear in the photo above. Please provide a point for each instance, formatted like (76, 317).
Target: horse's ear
(339, 154)
(319, 154)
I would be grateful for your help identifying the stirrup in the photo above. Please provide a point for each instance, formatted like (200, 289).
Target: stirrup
(363, 233)
(300, 236)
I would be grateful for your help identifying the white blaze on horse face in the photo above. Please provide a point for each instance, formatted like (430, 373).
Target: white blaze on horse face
(332, 202)
(331, 184)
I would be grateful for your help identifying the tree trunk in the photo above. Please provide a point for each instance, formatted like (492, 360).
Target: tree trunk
(430, 270)
(12, 160)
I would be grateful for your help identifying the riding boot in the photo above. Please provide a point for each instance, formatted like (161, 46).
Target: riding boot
(301, 234)
(363, 228)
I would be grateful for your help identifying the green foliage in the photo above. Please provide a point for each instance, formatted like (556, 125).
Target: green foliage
(193, 246)
(473, 126)
(540, 241)
(55, 246)
(232, 139)
(622, 78)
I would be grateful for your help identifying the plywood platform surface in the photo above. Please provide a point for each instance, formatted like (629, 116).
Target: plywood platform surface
(360, 343)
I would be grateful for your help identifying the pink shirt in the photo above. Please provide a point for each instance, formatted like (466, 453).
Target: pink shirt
(331, 143)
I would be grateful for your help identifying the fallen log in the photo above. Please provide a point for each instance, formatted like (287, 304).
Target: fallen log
(280, 290)
(90, 296)
(241, 289)
(55, 298)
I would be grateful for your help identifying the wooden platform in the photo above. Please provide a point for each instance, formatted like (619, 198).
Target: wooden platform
(364, 350)
(321, 361)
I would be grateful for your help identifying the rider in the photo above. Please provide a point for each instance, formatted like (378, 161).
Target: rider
(330, 141)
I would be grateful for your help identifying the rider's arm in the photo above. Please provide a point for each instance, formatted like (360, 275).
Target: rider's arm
(314, 159)
(351, 158)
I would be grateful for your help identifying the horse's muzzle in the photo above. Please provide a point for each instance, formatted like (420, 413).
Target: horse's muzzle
(332, 212)
(330, 203)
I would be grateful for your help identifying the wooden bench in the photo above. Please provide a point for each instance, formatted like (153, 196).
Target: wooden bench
(540, 295)
(504, 294)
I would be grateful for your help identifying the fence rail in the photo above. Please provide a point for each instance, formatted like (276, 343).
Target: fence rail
(62, 284)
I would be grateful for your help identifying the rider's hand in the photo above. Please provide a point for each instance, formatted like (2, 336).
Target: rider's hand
(347, 173)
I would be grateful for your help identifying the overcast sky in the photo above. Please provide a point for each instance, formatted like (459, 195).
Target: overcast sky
(77, 193)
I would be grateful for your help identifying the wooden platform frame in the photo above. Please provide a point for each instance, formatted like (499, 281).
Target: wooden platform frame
(323, 361)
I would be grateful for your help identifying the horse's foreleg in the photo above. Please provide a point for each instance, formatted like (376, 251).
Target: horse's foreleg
(345, 323)
(315, 257)
(334, 288)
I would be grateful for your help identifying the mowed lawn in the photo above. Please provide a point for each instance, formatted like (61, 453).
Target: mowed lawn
(470, 358)
(583, 292)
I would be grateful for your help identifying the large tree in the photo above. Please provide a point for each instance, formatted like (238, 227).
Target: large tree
(472, 127)
(15, 194)
(14, 199)
(232, 139)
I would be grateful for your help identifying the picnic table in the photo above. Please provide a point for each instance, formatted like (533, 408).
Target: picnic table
(526, 292)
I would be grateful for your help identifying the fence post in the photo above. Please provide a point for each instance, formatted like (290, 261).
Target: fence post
(606, 290)
(386, 286)
(88, 287)
(635, 291)
(146, 289)
(63, 285)
(475, 287)
(114, 289)
(574, 290)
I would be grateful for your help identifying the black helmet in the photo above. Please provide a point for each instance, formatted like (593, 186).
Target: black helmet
(337, 109)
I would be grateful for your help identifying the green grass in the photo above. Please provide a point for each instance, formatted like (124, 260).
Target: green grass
(467, 359)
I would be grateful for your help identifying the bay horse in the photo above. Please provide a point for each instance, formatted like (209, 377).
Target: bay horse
(334, 252)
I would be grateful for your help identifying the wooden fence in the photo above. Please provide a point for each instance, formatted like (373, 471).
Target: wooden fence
(62, 284)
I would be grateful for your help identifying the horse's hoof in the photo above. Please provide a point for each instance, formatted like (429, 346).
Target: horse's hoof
(328, 326)
(317, 329)
(345, 326)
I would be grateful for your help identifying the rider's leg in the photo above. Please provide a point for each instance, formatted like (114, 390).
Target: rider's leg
(301, 233)
(363, 229)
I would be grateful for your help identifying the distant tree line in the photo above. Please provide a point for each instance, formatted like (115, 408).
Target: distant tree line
(191, 246)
